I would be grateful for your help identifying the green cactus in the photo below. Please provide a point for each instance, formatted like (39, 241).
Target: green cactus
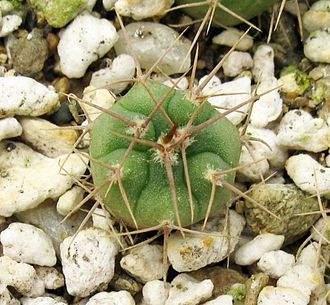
(155, 153)
(245, 9)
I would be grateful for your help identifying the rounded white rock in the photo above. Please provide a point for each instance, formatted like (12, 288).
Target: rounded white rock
(254, 249)
(9, 24)
(9, 128)
(263, 63)
(116, 77)
(310, 256)
(26, 243)
(111, 298)
(83, 41)
(88, 261)
(230, 36)
(236, 63)
(52, 278)
(6, 297)
(186, 290)
(276, 263)
(69, 200)
(41, 301)
(309, 175)
(317, 46)
(141, 9)
(145, 263)
(20, 95)
(299, 130)
(270, 295)
(321, 230)
(149, 41)
(155, 293)
(317, 17)
(221, 300)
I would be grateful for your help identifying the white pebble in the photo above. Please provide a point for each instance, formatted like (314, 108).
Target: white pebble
(262, 154)
(263, 63)
(186, 290)
(111, 298)
(308, 174)
(41, 301)
(29, 178)
(150, 41)
(26, 243)
(108, 4)
(230, 36)
(20, 95)
(6, 297)
(52, 278)
(299, 130)
(221, 300)
(21, 276)
(180, 83)
(69, 200)
(229, 95)
(317, 17)
(46, 137)
(317, 45)
(83, 41)
(269, 106)
(155, 293)
(276, 263)
(236, 63)
(88, 261)
(310, 256)
(141, 9)
(116, 77)
(198, 250)
(303, 278)
(102, 220)
(145, 262)
(9, 128)
(9, 24)
(254, 249)
(321, 230)
(281, 296)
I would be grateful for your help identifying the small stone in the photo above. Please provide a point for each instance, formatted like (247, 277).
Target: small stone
(111, 298)
(60, 12)
(88, 261)
(317, 45)
(186, 290)
(160, 39)
(263, 66)
(269, 106)
(116, 77)
(299, 130)
(20, 276)
(142, 9)
(310, 256)
(62, 86)
(9, 24)
(10, 128)
(281, 296)
(293, 207)
(230, 36)
(30, 178)
(41, 301)
(317, 17)
(123, 281)
(47, 138)
(6, 298)
(236, 63)
(254, 249)
(82, 42)
(253, 286)
(320, 232)
(155, 293)
(181, 83)
(229, 95)
(29, 53)
(20, 95)
(102, 220)
(221, 300)
(198, 250)
(52, 42)
(261, 154)
(52, 278)
(276, 263)
(303, 278)
(27, 244)
(145, 263)
(108, 4)
(309, 175)
(69, 200)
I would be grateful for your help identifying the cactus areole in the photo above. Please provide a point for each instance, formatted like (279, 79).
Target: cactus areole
(165, 171)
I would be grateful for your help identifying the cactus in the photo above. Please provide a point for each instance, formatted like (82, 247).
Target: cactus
(171, 147)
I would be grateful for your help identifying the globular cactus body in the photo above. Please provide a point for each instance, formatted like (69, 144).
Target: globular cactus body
(142, 195)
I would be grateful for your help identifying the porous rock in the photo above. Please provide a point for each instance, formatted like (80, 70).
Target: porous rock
(9, 128)
(113, 298)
